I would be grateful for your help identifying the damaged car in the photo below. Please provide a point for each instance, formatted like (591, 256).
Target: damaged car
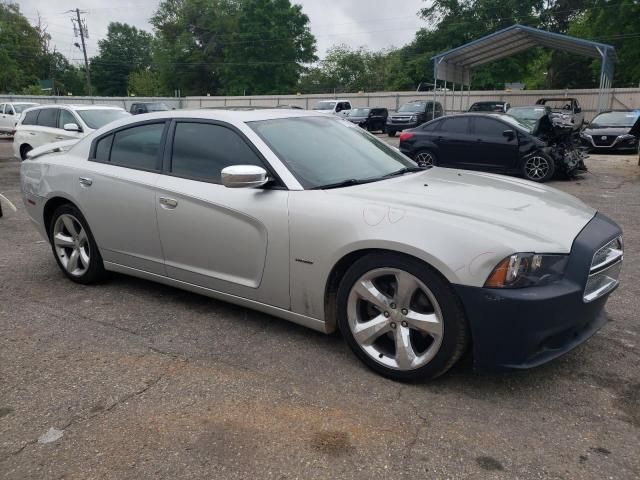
(494, 143)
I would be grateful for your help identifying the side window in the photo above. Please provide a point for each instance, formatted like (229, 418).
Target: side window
(202, 150)
(137, 147)
(8, 110)
(30, 118)
(1, 107)
(66, 117)
(488, 127)
(347, 106)
(103, 149)
(431, 126)
(438, 108)
(456, 125)
(48, 117)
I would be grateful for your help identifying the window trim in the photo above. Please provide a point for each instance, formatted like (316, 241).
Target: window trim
(275, 184)
(159, 155)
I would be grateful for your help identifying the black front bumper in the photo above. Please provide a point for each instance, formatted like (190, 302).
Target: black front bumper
(401, 126)
(524, 328)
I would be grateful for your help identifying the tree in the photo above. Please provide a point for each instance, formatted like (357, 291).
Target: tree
(268, 56)
(124, 50)
(145, 83)
(20, 49)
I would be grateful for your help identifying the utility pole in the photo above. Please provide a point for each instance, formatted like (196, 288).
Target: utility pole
(82, 29)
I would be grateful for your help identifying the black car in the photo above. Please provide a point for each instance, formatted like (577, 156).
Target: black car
(611, 131)
(148, 107)
(372, 119)
(412, 114)
(488, 142)
(494, 106)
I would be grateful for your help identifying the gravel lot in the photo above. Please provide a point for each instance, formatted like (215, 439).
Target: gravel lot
(147, 381)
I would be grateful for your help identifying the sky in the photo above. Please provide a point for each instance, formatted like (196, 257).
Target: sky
(374, 24)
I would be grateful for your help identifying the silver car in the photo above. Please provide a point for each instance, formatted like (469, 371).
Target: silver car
(307, 217)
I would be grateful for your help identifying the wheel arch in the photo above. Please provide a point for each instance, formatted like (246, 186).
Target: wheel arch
(50, 206)
(340, 268)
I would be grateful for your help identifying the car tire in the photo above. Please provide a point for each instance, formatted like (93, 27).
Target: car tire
(74, 247)
(412, 306)
(538, 167)
(425, 158)
(391, 133)
(24, 149)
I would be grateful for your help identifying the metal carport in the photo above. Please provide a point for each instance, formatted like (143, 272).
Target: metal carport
(456, 65)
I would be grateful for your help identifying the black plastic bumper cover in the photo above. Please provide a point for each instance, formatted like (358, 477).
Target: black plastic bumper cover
(524, 328)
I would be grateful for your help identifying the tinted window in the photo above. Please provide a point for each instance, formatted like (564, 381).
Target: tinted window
(431, 126)
(137, 147)
(48, 117)
(1, 107)
(30, 117)
(456, 125)
(202, 150)
(100, 117)
(8, 110)
(489, 127)
(103, 148)
(66, 117)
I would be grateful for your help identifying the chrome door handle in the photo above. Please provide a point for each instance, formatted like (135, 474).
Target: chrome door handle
(169, 203)
(85, 181)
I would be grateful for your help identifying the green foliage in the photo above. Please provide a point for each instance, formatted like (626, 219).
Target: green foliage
(145, 83)
(124, 50)
(33, 90)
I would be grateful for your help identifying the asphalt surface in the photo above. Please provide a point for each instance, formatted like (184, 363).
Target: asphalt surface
(139, 380)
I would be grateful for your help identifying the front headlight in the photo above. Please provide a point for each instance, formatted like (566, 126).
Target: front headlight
(626, 137)
(585, 135)
(414, 118)
(526, 270)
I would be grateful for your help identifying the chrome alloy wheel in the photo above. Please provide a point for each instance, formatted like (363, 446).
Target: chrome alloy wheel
(537, 167)
(71, 245)
(424, 159)
(395, 318)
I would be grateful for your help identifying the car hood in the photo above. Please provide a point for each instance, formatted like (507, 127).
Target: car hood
(508, 208)
(607, 130)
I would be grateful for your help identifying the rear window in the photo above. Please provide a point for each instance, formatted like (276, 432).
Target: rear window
(48, 117)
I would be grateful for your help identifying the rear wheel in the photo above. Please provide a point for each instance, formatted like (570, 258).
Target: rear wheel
(24, 149)
(391, 133)
(73, 246)
(425, 158)
(400, 317)
(537, 167)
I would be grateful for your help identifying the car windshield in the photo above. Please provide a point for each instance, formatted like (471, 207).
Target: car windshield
(157, 107)
(487, 107)
(359, 112)
(526, 126)
(19, 107)
(99, 118)
(324, 105)
(527, 115)
(325, 151)
(412, 107)
(615, 119)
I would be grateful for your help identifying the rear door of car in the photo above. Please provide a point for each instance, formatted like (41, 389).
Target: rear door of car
(117, 194)
(453, 141)
(492, 149)
(46, 128)
(232, 240)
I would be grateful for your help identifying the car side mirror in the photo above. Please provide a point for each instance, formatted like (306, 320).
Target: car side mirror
(509, 134)
(244, 176)
(72, 127)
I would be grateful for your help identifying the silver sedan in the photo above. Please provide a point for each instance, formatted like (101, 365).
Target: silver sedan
(308, 218)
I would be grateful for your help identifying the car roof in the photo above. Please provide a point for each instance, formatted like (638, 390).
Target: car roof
(77, 106)
(491, 101)
(230, 115)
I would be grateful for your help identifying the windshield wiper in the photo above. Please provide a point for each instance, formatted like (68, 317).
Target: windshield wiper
(343, 183)
(404, 170)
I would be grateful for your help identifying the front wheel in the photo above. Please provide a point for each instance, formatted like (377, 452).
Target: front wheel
(74, 247)
(538, 167)
(400, 317)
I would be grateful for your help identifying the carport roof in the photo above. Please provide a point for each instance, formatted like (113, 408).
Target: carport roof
(454, 65)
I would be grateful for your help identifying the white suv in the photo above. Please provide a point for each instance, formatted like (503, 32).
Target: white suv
(48, 123)
(10, 114)
(337, 107)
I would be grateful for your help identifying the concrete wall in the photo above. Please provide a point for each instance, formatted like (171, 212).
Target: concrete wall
(621, 98)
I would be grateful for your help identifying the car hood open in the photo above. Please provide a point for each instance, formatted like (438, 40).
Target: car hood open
(548, 216)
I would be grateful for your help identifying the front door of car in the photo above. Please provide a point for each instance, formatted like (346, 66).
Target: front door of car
(116, 190)
(233, 240)
(453, 141)
(65, 118)
(493, 149)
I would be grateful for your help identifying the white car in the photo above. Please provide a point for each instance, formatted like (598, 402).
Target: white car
(309, 218)
(336, 107)
(10, 114)
(46, 124)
